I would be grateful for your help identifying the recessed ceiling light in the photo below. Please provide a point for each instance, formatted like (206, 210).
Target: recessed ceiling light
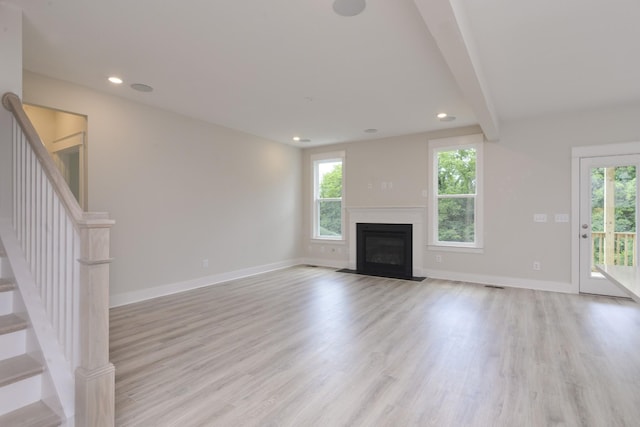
(141, 87)
(444, 117)
(349, 7)
(115, 80)
(370, 130)
(296, 138)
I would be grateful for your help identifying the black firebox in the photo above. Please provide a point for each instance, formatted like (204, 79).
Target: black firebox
(384, 250)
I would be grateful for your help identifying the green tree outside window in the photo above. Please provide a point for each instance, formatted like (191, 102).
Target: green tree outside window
(330, 199)
(456, 195)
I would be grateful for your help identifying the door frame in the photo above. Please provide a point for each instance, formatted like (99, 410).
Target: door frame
(578, 153)
(69, 142)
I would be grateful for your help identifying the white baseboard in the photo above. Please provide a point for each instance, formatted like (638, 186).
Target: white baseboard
(330, 263)
(174, 288)
(510, 282)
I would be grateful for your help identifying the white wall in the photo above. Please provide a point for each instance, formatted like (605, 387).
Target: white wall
(151, 168)
(528, 171)
(44, 122)
(368, 164)
(181, 191)
(10, 81)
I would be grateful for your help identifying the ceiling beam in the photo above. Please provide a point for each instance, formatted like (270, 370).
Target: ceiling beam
(447, 23)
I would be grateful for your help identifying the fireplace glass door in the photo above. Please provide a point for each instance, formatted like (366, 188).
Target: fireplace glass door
(384, 249)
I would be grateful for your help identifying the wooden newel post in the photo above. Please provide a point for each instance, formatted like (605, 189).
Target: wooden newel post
(95, 375)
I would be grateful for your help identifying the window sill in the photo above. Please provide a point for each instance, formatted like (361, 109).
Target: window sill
(329, 241)
(459, 249)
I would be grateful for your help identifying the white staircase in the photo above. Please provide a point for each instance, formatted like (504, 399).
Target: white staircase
(57, 270)
(22, 375)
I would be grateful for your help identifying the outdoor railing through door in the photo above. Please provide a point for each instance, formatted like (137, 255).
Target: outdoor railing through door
(623, 249)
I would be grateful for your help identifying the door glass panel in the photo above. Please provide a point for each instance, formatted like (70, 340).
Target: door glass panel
(613, 216)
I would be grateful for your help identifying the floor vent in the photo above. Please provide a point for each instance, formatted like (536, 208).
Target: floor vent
(493, 287)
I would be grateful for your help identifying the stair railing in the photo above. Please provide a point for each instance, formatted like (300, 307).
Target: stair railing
(67, 252)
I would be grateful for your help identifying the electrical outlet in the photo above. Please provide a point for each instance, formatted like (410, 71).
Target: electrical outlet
(536, 265)
(438, 258)
(205, 263)
(539, 217)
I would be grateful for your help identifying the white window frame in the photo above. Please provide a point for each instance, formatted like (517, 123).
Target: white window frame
(450, 144)
(315, 217)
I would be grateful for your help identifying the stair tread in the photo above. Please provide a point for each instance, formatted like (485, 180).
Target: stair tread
(7, 285)
(18, 368)
(35, 415)
(11, 323)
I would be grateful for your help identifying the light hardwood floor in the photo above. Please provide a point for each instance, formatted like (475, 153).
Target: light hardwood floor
(313, 347)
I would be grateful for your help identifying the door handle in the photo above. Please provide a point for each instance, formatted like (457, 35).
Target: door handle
(585, 235)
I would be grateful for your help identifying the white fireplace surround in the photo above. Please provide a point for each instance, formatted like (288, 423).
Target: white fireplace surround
(406, 215)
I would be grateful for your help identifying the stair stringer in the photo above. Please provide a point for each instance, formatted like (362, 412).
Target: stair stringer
(58, 388)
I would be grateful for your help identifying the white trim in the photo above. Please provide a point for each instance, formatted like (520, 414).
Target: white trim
(510, 282)
(335, 242)
(456, 249)
(618, 149)
(455, 143)
(174, 288)
(328, 156)
(391, 215)
(320, 157)
(67, 142)
(575, 222)
(452, 141)
(577, 153)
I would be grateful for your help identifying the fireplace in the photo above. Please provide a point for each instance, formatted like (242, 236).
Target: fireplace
(384, 249)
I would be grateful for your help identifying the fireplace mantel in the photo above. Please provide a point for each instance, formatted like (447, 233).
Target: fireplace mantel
(390, 215)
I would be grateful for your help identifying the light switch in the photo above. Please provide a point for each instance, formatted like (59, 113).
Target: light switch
(562, 217)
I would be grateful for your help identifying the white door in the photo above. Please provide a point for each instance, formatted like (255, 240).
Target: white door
(608, 218)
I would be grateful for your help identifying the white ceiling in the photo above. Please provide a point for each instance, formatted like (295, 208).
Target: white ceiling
(281, 68)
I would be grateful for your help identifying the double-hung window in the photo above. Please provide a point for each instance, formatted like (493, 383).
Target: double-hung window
(328, 195)
(456, 192)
